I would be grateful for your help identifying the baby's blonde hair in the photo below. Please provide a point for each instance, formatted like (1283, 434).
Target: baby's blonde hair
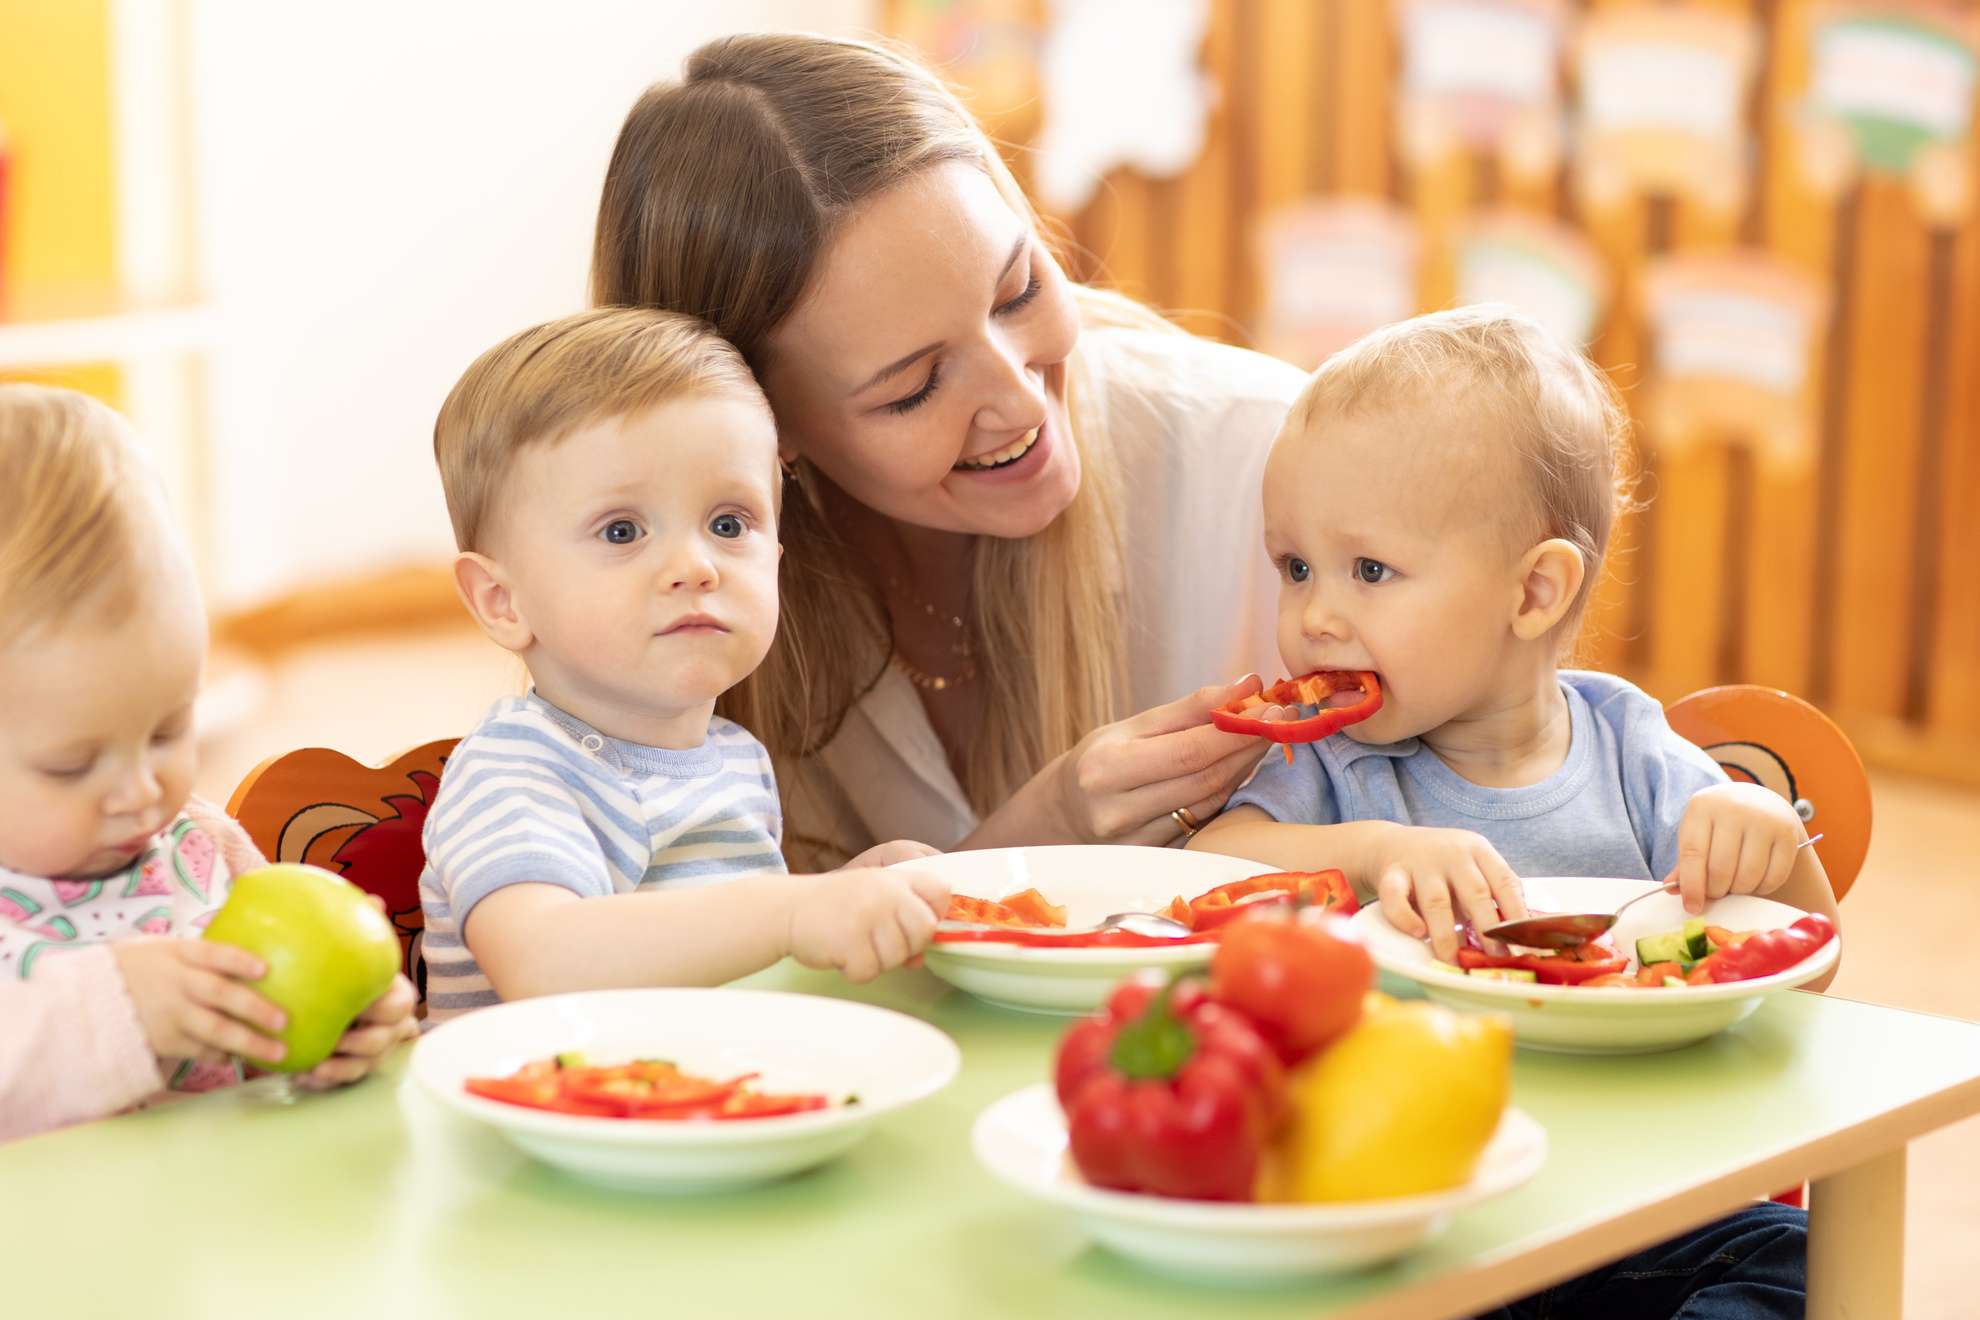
(539, 386)
(1560, 415)
(80, 512)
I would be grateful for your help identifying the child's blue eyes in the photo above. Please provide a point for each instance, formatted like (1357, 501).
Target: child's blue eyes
(1372, 571)
(624, 531)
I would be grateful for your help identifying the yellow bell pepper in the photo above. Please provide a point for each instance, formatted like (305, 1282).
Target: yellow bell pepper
(1404, 1103)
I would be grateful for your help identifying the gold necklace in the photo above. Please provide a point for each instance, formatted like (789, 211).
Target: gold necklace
(921, 678)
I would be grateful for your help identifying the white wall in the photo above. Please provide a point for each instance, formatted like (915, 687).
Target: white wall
(384, 189)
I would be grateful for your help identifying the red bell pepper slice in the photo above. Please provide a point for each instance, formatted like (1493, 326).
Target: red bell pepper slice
(1326, 890)
(1567, 967)
(1768, 952)
(1309, 690)
(1168, 1093)
(1028, 908)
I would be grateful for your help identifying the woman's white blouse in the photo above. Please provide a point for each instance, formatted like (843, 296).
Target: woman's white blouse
(1191, 422)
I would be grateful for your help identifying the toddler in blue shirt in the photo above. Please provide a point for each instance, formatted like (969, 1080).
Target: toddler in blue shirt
(1438, 505)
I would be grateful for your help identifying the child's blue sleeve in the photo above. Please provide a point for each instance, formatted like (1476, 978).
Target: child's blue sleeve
(1660, 773)
(1299, 793)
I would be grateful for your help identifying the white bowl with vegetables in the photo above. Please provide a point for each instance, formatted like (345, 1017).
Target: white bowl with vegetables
(1574, 1019)
(859, 1061)
(1092, 882)
(1021, 1139)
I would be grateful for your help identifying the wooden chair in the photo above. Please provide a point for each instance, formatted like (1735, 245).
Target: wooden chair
(321, 807)
(1766, 737)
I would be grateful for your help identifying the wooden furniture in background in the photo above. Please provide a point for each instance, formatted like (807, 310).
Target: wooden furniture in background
(322, 808)
(1856, 581)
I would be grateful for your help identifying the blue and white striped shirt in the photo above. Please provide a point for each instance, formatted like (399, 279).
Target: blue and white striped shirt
(536, 795)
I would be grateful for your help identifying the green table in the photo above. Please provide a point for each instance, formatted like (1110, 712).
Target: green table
(374, 1202)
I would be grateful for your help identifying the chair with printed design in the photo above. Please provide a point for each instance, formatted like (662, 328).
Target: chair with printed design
(1762, 736)
(320, 807)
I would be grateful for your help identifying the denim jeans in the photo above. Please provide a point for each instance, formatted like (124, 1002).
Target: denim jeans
(1749, 1266)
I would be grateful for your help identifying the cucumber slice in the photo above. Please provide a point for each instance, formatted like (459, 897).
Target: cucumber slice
(1696, 946)
(1666, 947)
(1673, 983)
(1504, 974)
(1436, 966)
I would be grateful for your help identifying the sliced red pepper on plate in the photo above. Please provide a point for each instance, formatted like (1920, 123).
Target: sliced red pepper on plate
(1027, 908)
(1308, 690)
(1567, 967)
(1767, 952)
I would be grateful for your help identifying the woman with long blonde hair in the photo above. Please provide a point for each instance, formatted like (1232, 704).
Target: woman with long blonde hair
(1017, 511)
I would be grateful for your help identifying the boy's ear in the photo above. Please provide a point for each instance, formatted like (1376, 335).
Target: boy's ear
(484, 589)
(1550, 576)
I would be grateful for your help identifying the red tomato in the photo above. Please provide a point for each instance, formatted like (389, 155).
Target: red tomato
(1300, 977)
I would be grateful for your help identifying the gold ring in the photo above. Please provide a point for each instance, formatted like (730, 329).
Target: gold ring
(1190, 824)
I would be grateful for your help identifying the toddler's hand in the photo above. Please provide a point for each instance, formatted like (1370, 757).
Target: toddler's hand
(865, 922)
(192, 1003)
(886, 854)
(1426, 877)
(377, 1030)
(1734, 839)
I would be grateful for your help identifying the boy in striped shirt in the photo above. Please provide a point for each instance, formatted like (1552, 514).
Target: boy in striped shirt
(612, 480)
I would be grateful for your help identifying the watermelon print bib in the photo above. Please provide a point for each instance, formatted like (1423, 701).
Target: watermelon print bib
(173, 887)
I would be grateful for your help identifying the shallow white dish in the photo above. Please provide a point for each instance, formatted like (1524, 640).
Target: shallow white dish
(800, 1043)
(1093, 881)
(1022, 1140)
(1564, 1019)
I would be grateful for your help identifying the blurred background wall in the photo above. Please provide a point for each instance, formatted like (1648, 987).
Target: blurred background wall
(276, 234)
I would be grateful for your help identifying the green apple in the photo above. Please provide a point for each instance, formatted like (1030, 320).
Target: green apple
(330, 952)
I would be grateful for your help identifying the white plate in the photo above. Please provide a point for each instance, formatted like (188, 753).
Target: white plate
(802, 1043)
(1565, 1019)
(1093, 882)
(1022, 1140)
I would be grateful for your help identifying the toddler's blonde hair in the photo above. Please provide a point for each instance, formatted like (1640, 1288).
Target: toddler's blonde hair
(81, 512)
(1559, 414)
(539, 386)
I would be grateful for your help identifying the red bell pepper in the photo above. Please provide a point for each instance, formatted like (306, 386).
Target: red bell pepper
(1027, 908)
(1301, 976)
(645, 1089)
(1310, 690)
(1083, 939)
(1770, 951)
(1566, 967)
(1168, 1093)
(1327, 890)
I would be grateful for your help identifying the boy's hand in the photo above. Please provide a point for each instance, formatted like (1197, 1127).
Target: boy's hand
(1426, 878)
(865, 922)
(886, 854)
(192, 1003)
(377, 1030)
(1734, 839)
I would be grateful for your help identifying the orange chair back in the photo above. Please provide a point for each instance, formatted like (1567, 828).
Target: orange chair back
(1762, 736)
(363, 822)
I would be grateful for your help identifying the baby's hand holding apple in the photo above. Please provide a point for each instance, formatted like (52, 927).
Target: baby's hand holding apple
(192, 1001)
(864, 922)
(375, 1033)
(1735, 839)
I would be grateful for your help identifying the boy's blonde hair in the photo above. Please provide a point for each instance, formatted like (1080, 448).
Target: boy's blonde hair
(1559, 413)
(81, 512)
(537, 387)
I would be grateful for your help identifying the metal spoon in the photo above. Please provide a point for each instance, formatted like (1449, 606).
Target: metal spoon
(1567, 930)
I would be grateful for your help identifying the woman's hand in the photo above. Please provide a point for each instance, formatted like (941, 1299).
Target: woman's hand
(376, 1032)
(192, 1003)
(1119, 784)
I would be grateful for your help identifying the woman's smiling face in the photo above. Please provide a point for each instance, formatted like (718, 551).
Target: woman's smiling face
(925, 370)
